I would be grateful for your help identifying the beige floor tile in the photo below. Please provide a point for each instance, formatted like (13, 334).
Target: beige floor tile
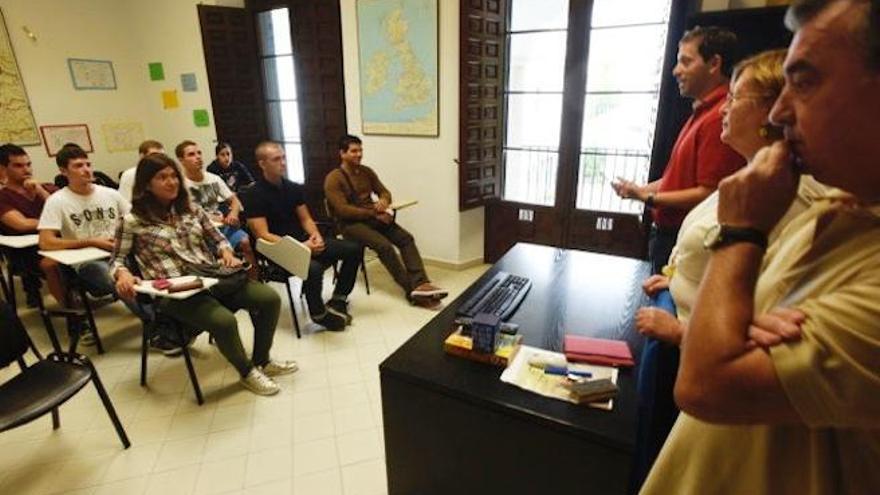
(130, 486)
(353, 418)
(227, 443)
(321, 483)
(232, 417)
(271, 434)
(314, 427)
(312, 457)
(221, 476)
(135, 461)
(177, 453)
(279, 487)
(180, 481)
(30, 479)
(366, 478)
(310, 402)
(358, 446)
(349, 395)
(268, 465)
(81, 473)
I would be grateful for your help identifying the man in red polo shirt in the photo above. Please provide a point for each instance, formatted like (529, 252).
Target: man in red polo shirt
(699, 160)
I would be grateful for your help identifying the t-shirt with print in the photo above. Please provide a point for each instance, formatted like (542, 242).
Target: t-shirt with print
(84, 217)
(209, 193)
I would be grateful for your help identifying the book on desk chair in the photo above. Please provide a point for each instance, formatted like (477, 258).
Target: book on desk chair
(597, 351)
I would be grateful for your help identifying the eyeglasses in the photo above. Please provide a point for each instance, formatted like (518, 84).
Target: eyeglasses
(731, 98)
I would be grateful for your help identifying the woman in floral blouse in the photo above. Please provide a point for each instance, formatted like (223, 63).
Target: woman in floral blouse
(170, 237)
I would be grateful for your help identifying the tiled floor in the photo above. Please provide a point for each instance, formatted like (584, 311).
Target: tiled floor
(322, 435)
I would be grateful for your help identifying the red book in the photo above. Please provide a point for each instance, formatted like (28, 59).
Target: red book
(597, 351)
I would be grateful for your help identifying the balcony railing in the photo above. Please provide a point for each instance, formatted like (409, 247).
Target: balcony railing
(530, 177)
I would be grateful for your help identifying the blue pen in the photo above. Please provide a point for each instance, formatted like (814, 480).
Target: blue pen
(563, 371)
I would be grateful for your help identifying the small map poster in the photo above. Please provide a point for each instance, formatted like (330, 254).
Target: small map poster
(17, 124)
(398, 66)
(122, 136)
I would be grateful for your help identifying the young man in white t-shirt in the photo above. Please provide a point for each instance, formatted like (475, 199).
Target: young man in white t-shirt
(126, 180)
(84, 214)
(211, 193)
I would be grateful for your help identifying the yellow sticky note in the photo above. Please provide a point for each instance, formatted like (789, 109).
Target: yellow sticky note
(169, 99)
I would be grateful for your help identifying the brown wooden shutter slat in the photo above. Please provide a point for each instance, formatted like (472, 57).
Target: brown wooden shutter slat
(232, 63)
(481, 103)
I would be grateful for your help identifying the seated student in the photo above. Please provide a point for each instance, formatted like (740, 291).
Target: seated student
(21, 203)
(234, 173)
(98, 177)
(126, 179)
(349, 191)
(84, 214)
(170, 237)
(276, 207)
(211, 193)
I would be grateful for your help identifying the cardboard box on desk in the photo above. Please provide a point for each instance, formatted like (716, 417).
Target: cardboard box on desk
(463, 345)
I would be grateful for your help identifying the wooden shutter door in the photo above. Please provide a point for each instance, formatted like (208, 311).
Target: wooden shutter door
(232, 63)
(481, 100)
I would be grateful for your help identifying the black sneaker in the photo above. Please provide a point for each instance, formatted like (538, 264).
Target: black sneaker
(86, 335)
(330, 321)
(166, 346)
(339, 308)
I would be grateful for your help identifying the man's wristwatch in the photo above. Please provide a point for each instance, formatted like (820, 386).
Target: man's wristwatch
(649, 201)
(720, 235)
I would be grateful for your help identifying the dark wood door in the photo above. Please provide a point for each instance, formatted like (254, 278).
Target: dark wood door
(232, 63)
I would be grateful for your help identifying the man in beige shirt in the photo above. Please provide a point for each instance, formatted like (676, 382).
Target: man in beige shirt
(801, 417)
(349, 190)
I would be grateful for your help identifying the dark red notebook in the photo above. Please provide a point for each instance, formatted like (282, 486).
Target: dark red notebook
(597, 351)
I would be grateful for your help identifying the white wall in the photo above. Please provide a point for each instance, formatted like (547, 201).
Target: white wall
(130, 33)
(421, 168)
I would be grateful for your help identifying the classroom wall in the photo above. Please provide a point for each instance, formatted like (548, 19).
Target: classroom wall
(416, 167)
(130, 33)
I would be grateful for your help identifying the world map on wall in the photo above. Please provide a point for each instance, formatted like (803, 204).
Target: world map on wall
(397, 41)
(17, 124)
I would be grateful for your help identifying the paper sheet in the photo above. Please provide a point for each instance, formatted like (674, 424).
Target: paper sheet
(169, 99)
(526, 377)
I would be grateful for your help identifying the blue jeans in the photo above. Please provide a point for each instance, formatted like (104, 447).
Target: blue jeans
(96, 280)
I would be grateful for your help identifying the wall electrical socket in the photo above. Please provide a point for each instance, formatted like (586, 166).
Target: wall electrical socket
(526, 215)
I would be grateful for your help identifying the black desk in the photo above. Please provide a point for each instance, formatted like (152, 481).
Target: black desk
(452, 427)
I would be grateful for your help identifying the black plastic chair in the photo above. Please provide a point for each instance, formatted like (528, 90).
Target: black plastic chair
(45, 385)
(331, 228)
(160, 318)
(270, 272)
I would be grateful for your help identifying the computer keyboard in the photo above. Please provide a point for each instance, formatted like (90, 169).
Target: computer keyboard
(499, 296)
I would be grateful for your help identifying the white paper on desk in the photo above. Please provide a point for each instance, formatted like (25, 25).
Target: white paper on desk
(526, 377)
(146, 287)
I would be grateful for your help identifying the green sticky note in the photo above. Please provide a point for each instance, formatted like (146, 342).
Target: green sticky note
(157, 72)
(200, 118)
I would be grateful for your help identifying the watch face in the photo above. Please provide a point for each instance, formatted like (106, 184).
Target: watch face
(712, 237)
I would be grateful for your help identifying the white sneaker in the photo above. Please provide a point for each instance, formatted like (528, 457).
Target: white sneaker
(259, 383)
(276, 368)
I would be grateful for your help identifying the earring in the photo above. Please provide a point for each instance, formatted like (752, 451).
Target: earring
(764, 131)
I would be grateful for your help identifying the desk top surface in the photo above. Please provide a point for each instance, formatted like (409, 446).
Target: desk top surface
(19, 241)
(572, 292)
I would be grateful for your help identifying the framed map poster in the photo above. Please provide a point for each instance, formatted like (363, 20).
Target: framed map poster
(91, 74)
(398, 46)
(17, 124)
(56, 136)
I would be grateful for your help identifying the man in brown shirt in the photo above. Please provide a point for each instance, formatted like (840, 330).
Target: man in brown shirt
(349, 190)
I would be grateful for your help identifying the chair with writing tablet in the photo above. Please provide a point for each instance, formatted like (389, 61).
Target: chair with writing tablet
(291, 256)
